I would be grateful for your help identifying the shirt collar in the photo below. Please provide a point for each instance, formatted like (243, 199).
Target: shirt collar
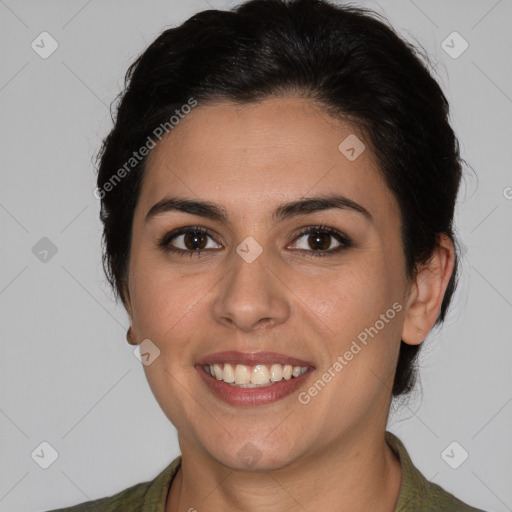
(156, 494)
(414, 488)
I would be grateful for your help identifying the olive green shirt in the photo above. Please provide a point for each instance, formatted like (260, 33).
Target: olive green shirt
(417, 494)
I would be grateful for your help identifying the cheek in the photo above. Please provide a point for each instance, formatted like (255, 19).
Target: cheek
(348, 295)
(358, 320)
(163, 299)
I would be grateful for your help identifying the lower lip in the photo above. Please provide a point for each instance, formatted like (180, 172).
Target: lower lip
(252, 396)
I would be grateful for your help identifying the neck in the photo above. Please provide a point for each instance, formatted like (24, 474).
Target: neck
(362, 473)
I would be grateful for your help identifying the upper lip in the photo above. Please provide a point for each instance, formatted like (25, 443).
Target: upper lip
(251, 358)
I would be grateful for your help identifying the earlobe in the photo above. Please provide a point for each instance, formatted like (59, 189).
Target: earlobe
(129, 337)
(427, 292)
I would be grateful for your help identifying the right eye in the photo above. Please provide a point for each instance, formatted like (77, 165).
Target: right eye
(189, 240)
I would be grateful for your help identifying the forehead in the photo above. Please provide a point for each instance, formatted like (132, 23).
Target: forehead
(253, 156)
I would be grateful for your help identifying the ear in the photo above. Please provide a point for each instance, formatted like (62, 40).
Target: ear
(125, 297)
(427, 292)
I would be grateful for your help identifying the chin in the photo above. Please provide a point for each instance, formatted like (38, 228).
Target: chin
(254, 455)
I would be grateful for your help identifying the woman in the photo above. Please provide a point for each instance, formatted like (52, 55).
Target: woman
(277, 198)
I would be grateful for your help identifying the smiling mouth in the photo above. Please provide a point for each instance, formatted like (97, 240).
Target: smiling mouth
(255, 376)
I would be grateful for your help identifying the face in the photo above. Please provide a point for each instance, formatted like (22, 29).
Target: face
(285, 250)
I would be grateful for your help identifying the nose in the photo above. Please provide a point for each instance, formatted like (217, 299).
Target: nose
(251, 296)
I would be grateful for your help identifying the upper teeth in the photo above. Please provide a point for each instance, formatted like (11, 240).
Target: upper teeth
(258, 375)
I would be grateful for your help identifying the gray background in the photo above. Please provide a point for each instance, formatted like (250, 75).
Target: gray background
(69, 378)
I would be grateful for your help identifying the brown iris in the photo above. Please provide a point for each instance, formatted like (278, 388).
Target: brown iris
(319, 241)
(195, 240)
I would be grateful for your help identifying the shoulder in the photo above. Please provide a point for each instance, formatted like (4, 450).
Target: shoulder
(149, 495)
(446, 502)
(124, 500)
(416, 492)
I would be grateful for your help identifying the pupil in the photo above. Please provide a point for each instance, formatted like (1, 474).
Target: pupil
(320, 241)
(193, 239)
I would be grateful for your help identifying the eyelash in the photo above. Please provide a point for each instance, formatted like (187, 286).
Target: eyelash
(343, 239)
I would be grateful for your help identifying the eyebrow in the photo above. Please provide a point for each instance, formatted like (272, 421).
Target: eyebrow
(215, 212)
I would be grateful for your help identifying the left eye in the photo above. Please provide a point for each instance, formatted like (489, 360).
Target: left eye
(320, 240)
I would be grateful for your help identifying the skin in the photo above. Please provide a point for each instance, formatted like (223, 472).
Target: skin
(249, 159)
